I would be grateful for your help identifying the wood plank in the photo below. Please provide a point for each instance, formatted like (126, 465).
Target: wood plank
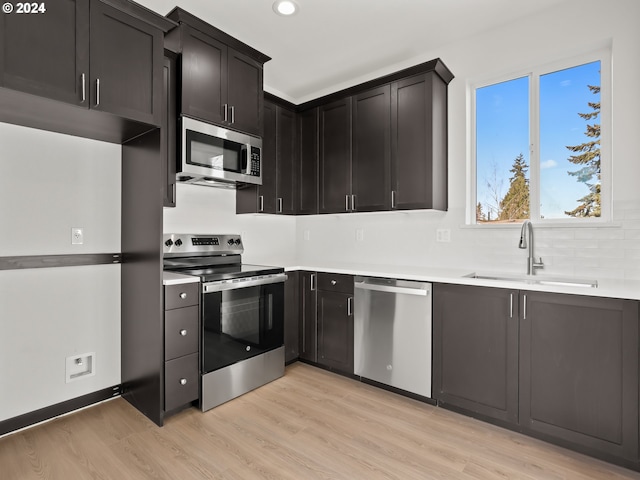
(309, 424)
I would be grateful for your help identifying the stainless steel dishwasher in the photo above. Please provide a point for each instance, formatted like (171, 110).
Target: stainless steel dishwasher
(392, 333)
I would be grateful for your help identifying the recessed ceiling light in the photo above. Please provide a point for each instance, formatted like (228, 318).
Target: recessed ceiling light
(285, 7)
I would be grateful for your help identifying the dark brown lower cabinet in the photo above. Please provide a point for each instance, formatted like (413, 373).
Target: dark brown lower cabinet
(291, 315)
(335, 321)
(475, 350)
(308, 342)
(560, 367)
(579, 371)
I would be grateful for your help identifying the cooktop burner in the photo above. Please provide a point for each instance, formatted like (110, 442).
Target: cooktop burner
(210, 257)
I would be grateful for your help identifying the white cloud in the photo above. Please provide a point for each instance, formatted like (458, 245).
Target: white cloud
(548, 164)
(565, 83)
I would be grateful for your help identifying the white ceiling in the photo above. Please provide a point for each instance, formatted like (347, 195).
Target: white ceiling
(330, 44)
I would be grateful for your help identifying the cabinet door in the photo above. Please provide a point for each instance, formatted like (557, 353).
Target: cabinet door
(168, 132)
(579, 371)
(371, 162)
(126, 56)
(419, 143)
(475, 350)
(287, 172)
(47, 54)
(267, 191)
(291, 316)
(335, 330)
(335, 157)
(245, 95)
(204, 79)
(308, 162)
(308, 317)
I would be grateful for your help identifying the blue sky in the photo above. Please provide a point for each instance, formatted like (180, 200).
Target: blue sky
(502, 133)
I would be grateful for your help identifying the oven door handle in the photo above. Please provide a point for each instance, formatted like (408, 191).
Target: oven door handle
(243, 283)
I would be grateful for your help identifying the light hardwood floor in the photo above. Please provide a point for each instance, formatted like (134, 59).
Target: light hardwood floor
(310, 424)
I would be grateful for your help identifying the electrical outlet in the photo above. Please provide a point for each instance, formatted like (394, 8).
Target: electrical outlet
(80, 366)
(77, 236)
(359, 235)
(307, 235)
(443, 235)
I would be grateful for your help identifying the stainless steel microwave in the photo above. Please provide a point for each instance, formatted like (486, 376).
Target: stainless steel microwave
(215, 156)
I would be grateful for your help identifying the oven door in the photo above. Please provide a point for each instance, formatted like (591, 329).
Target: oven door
(242, 321)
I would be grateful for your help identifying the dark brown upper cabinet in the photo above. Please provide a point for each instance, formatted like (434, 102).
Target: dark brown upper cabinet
(371, 160)
(307, 191)
(221, 77)
(84, 53)
(168, 130)
(126, 58)
(419, 142)
(48, 54)
(277, 194)
(334, 166)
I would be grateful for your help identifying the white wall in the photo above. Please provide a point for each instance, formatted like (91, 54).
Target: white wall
(48, 184)
(268, 239)
(410, 238)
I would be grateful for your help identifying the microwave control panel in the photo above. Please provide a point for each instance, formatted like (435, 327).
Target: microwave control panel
(255, 161)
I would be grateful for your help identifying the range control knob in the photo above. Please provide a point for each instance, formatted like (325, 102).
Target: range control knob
(237, 241)
(230, 242)
(178, 242)
(168, 243)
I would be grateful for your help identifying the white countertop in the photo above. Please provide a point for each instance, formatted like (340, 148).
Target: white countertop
(612, 288)
(171, 278)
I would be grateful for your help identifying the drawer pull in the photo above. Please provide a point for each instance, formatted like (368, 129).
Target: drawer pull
(183, 332)
(183, 295)
(333, 282)
(183, 381)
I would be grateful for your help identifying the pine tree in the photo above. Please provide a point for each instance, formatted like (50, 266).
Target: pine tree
(588, 156)
(515, 204)
(480, 216)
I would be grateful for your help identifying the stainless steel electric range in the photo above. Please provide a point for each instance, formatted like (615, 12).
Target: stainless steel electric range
(241, 314)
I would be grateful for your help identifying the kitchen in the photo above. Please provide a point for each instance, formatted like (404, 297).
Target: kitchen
(88, 172)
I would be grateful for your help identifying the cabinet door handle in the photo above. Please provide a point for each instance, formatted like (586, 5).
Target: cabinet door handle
(393, 199)
(353, 203)
(333, 282)
(226, 112)
(346, 202)
(279, 210)
(261, 203)
(84, 87)
(183, 381)
(313, 282)
(511, 305)
(183, 332)
(183, 295)
(97, 92)
(349, 306)
(524, 307)
(233, 114)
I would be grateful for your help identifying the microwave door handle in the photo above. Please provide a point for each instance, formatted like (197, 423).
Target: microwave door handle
(243, 154)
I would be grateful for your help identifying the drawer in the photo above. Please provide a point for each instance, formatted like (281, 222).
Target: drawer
(182, 295)
(334, 282)
(181, 332)
(181, 381)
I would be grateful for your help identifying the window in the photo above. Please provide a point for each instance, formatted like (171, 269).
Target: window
(540, 144)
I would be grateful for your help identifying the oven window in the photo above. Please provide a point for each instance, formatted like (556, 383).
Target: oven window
(239, 324)
(214, 152)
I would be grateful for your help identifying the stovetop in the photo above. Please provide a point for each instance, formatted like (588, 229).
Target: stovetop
(227, 272)
(210, 257)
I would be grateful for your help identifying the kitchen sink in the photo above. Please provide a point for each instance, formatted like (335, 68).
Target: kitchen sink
(537, 280)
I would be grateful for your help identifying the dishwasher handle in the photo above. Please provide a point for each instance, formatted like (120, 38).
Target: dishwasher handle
(391, 289)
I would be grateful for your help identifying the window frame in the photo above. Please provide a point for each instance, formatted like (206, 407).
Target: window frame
(606, 161)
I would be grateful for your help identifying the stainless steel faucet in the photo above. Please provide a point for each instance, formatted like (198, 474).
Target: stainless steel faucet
(527, 230)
